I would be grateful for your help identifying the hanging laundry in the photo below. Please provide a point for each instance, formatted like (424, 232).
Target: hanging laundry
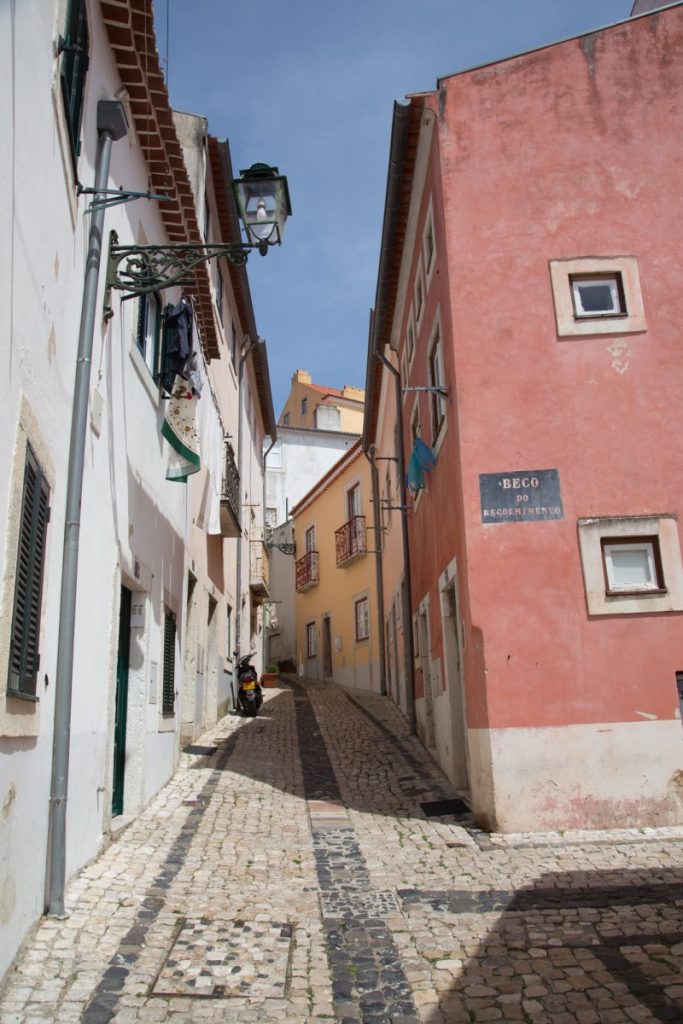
(425, 455)
(416, 477)
(181, 430)
(178, 332)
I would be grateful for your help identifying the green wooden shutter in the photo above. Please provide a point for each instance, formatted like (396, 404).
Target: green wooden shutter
(168, 691)
(73, 69)
(28, 588)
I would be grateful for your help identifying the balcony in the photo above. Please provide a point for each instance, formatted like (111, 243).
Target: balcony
(307, 573)
(259, 570)
(230, 497)
(350, 541)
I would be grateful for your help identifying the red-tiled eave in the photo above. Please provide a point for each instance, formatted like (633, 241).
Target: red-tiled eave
(130, 29)
(222, 175)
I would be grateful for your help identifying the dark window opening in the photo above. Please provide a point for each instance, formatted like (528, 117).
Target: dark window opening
(24, 658)
(73, 49)
(168, 692)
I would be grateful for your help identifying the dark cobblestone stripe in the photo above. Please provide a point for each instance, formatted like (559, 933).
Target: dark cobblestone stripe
(456, 901)
(368, 982)
(103, 1005)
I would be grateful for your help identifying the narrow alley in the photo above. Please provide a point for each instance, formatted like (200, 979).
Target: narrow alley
(311, 864)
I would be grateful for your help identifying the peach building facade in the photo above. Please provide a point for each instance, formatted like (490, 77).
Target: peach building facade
(336, 595)
(527, 271)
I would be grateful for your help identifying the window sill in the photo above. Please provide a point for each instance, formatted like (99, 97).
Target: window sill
(30, 698)
(650, 592)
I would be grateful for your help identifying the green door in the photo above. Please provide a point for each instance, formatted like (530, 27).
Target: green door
(121, 703)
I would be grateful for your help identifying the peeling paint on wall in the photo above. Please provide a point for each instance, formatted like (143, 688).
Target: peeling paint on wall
(621, 355)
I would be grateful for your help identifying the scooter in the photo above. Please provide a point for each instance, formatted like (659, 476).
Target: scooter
(249, 695)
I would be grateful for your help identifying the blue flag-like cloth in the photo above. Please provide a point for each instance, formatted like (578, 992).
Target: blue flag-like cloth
(424, 455)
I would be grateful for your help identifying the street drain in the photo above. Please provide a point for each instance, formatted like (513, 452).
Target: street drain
(202, 751)
(441, 808)
(221, 959)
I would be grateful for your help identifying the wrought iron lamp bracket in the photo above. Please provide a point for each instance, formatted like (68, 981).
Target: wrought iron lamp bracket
(140, 269)
(286, 549)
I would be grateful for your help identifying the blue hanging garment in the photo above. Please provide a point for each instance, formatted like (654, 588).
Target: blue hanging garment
(424, 455)
(416, 478)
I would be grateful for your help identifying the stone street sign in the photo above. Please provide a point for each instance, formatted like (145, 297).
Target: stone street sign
(520, 496)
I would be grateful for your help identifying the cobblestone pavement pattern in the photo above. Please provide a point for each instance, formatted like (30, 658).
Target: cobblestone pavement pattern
(304, 868)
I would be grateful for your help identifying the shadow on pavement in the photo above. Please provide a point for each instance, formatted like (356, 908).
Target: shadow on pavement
(565, 950)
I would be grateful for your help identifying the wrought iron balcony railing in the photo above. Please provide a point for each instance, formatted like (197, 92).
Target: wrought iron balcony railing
(307, 574)
(230, 497)
(350, 541)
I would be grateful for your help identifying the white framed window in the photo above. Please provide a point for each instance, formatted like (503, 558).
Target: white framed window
(311, 640)
(429, 245)
(597, 295)
(410, 342)
(436, 378)
(419, 295)
(362, 618)
(632, 566)
(149, 330)
(304, 406)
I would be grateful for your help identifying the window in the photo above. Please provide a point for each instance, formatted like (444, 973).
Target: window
(388, 496)
(73, 50)
(274, 459)
(149, 329)
(414, 425)
(437, 403)
(353, 502)
(168, 692)
(311, 640)
(228, 632)
(219, 293)
(24, 657)
(271, 521)
(310, 539)
(632, 565)
(598, 296)
(410, 342)
(233, 346)
(429, 246)
(285, 420)
(304, 406)
(362, 617)
(419, 295)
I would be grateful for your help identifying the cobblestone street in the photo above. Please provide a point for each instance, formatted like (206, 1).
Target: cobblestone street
(306, 865)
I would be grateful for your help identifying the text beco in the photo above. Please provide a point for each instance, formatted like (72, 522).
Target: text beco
(516, 483)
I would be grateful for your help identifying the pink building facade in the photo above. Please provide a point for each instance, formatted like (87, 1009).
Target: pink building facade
(530, 269)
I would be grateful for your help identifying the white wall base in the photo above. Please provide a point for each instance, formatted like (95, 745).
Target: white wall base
(613, 775)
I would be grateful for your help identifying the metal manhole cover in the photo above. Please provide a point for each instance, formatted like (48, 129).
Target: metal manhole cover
(219, 959)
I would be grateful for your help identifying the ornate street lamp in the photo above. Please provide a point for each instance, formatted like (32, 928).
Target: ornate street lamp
(262, 198)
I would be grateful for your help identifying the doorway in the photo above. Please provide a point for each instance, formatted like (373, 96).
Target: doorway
(452, 634)
(327, 647)
(425, 663)
(121, 705)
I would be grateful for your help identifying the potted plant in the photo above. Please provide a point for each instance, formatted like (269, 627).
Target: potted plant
(269, 677)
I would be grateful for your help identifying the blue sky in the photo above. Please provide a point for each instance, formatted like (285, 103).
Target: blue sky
(309, 86)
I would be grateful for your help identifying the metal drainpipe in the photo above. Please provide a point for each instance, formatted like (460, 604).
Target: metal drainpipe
(111, 126)
(238, 573)
(265, 456)
(379, 579)
(408, 651)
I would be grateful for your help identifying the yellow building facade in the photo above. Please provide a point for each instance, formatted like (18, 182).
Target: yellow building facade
(319, 407)
(336, 595)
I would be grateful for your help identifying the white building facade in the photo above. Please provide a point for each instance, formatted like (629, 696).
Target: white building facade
(141, 533)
